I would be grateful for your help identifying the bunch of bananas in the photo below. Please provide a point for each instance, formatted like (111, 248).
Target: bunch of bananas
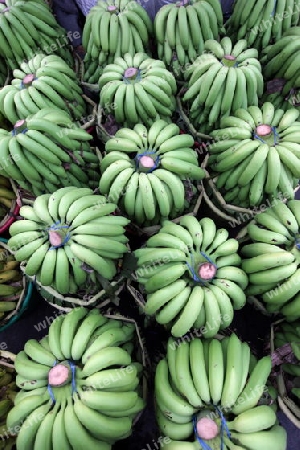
(202, 384)
(137, 89)
(47, 151)
(279, 61)
(144, 171)
(28, 27)
(256, 154)
(11, 282)
(224, 78)
(42, 82)
(272, 259)
(7, 396)
(114, 28)
(181, 29)
(7, 197)
(190, 274)
(79, 385)
(66, 235)
(263, 21)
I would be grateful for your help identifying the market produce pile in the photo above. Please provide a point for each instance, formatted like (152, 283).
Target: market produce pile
(117, 175)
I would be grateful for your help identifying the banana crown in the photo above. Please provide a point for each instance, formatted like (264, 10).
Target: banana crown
(137, 89)
(224, 78)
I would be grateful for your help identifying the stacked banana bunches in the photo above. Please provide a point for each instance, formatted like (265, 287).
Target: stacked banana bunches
(181, 30)
(137, 90)
(8, 393)
(263, 22)
(226, 77)
(271, 258)
(8, 203)
(287, 336)
(30, 27)
(112, 30)
(281, 71)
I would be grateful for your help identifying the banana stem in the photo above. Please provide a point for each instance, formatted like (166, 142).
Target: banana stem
(263, 130)
(19, 126)
(131, 73)
(207, 271)
(146, 162)
(228, 443)
(228, 60)
(59, 375)
(28, 79)
(112, 8)
(57, 237)
(207, 428)
(79, 376)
